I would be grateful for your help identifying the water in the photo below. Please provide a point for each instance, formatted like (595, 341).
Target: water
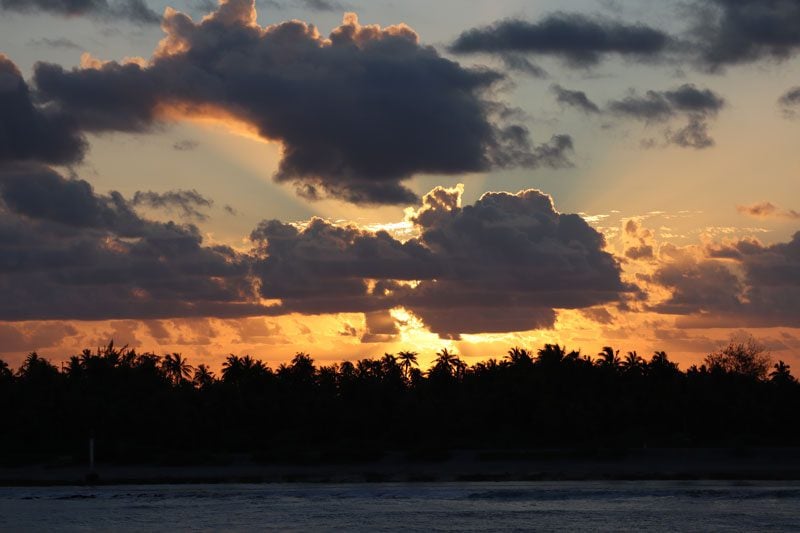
(553, 506)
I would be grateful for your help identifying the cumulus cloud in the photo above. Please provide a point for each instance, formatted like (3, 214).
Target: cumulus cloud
(506, 263)
(67, 252)
(136, 11)
(32, 132)
(742, 283)
(187, 203)
(358, 113)
(579, 40)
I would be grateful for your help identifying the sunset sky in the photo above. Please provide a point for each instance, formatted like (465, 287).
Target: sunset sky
(354, 178)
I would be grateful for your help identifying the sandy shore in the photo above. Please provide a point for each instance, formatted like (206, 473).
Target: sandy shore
(654, 464)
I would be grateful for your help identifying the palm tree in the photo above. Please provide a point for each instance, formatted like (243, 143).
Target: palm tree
(176, 368)
(519, 356)
(609, 358)
(448, 363)
(5, 371)
(632, 363)
(781, 373)
(660, 365)
(408, 360)
(302, 368)
(203, 376)
(551, 354)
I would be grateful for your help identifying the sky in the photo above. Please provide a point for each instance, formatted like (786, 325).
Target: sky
(354, 178)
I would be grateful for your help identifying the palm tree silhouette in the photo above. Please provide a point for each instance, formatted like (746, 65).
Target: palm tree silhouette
(5, 371)
(448, 363)
(235, 368)
(519, 356)
(632, 363)
(408, 360)
(781, 373)
(176, 368)
(203, 376)
(609, 358)
(551, 354)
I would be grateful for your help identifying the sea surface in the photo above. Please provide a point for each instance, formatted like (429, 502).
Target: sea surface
(542, 506)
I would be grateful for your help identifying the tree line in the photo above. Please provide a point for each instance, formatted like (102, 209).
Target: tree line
(142, 407)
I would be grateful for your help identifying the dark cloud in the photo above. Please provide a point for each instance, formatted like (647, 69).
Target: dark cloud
(743, 283)
(577, 99)
(505, 263)
(730, 32)
(381, 327)
(135, 11)
(32, 132)
(767, 210)
(67, 252)
(187, 203)
(186, 145)
(509, 261)
(789, 102)
(34, 336)
(357, 114)
(520, 63)
(697, 106)
(639, 241)
(660, 105)
(578, 39)
(323, 268)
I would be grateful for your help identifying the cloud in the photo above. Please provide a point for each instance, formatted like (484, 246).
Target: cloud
(28, 337)
(520, 63)
(67, 252)
(186, 145)
(312, 5)
(576, 99)
(380, 327)
(135, 11)
(767, 210)
(638, 241)
(579, 40)
(188, 203)
(789, 102)
(61, 42)
(32, 132)
(697, 106)
(505, 263)
(730, 32)
(321, 5)
(358, 113)
(738, 284)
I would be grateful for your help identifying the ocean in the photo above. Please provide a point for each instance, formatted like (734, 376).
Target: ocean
(504, 506)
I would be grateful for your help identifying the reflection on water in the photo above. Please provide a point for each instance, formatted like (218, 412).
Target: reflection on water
(568, 506)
